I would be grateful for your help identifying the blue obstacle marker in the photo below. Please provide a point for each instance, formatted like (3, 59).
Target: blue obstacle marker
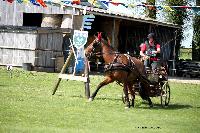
(80, 66)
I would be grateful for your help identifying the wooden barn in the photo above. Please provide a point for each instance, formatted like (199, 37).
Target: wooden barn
(33, 34)
(40, 36)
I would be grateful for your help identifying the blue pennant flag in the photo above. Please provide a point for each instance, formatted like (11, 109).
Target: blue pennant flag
(104, 2)
(34, 2)
(20, 1)
(66, 2)
(159, 7)
(196, 10)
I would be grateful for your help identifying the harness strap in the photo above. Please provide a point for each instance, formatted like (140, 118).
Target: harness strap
(115, 65)
(126, 67)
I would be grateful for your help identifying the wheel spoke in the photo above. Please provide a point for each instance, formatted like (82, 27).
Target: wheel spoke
(165, 97)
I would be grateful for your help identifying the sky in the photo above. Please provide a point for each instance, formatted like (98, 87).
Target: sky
(188, 25)
(188, 29)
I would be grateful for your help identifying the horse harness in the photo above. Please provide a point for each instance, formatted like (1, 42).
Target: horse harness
(115, 65)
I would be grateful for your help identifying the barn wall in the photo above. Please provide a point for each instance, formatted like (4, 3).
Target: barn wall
(132, 34)
(40, 46)
(12, 14)
(108, 25)
(115, 33)
(166, 38)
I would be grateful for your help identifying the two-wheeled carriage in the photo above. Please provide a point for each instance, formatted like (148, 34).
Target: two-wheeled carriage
(159, 86)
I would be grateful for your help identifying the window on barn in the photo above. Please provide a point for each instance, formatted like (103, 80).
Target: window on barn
(32, 19)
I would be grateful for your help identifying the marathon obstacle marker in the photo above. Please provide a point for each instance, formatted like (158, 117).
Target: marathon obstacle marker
(87, 21)
(79, 44)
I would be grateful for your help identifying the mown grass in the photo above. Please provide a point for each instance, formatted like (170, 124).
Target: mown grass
(185, 53)
(26, 105)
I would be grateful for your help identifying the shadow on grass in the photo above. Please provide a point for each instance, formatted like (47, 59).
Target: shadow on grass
(110, 99)
(3, 85)
(144, 105)
(99, 98)
(169, 107)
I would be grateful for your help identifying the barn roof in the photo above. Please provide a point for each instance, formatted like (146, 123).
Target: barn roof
(125, 16)
(120, 12)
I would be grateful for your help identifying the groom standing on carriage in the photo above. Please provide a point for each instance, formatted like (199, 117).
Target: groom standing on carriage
(150, 52)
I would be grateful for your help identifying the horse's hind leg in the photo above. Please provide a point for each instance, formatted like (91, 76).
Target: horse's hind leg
(125, 89)
(150, 102)
(105, 82)
(132, 91)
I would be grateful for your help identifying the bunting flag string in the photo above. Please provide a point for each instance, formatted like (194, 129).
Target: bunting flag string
(34, 2)
(10, 1)
(20, 1)
(42, 3)
(105, 3)
(25, 1)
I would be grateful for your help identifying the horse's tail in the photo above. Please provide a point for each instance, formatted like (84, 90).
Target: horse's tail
(144, 87)
(143, 91)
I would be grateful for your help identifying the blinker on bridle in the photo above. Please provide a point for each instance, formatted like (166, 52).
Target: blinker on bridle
(98, 42)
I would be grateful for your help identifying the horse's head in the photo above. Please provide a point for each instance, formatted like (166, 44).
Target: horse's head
(96, 46)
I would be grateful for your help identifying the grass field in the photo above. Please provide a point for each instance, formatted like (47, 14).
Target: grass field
(185, 53)
(26, 105)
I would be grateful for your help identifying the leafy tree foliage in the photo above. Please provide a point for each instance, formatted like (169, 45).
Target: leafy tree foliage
(196, 37)
(177, 17)
(151, 11)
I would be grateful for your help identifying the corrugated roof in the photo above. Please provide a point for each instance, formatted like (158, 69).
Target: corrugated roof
(127, 15)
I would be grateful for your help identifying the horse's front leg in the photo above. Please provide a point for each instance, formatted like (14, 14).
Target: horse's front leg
(125, 89)
(105, 82)
(132, 92)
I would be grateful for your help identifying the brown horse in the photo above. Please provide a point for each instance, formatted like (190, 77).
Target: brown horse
(121, 68)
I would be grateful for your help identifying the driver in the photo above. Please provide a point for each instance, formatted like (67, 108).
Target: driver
(150, 51)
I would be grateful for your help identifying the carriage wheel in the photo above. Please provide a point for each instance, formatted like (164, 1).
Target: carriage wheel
(165, 94)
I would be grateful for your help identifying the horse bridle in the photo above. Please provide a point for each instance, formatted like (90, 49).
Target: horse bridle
(92, 52)
(98, 41)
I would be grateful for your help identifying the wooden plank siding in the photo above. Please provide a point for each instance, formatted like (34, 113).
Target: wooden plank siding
(18, 46)
(38, 58)
(12, 14)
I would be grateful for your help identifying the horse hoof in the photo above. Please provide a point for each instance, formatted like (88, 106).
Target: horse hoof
(126, 107)
(90, 99)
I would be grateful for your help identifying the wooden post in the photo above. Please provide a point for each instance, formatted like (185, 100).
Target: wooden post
(174, 54)
(63, 71)
(113, 33)
(150, 28)
(87, 84)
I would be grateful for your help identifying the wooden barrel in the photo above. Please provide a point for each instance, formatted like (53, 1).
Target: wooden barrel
(27, 66)
(67, 21)
(51, 20)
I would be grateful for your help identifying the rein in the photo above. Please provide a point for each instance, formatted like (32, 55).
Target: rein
(100, 53)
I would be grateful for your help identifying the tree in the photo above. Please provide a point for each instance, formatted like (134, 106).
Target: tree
(177, 17)
(151, 10)
(196, 37)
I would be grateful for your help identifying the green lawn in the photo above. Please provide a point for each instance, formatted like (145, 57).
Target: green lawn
(26, 105)
(185, 53)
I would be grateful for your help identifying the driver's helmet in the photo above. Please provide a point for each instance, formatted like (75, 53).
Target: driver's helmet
(151, 35)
